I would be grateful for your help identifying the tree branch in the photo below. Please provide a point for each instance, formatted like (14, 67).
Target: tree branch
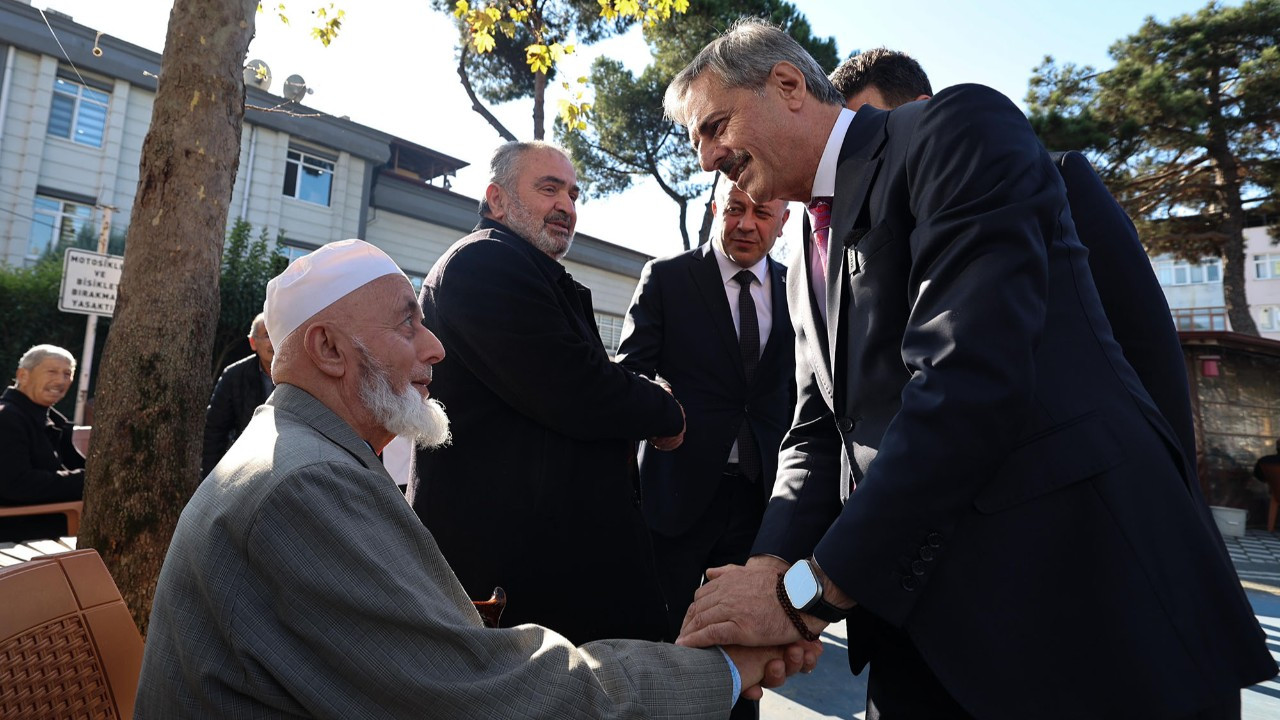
(475, 101)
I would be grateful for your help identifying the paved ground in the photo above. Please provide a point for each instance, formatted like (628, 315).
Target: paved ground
(832, 692)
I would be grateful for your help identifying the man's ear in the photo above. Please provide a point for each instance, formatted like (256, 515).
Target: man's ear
(322, 344)
(494, 195)
(786, 214)
(787, 80)
(22, 376)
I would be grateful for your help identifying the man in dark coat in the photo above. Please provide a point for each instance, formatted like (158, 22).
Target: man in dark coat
(537, 491)
(975, 477)
(704, 501)
(38, 462)
(1131, 296)
(242, 387)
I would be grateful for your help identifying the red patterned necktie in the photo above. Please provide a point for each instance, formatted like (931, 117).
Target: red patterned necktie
(820, 212)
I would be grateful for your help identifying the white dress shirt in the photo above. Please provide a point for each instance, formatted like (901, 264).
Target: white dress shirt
(761, 294)
(824, 185)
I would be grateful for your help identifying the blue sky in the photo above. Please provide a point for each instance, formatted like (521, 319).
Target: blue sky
(392, 69)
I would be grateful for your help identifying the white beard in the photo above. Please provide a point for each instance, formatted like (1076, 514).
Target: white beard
(406, 413)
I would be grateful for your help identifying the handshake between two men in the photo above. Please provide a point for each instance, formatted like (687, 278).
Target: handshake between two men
(742, 607)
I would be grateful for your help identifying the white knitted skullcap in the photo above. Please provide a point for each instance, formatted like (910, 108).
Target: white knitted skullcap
(317, 280)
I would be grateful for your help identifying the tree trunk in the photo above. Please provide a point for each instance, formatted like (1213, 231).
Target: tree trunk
(1234, 263)
(1226, 178)
(144, 461)
(708, 215)
(539, 101)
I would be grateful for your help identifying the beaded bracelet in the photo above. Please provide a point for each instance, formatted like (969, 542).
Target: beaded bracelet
(793, 614)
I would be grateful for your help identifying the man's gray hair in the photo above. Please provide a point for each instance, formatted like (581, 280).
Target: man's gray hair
(259, 321)
(743, 57)
(37, 354)
(504, 166)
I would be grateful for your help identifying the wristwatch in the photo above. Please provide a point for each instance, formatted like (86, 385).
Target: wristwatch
(804, 592)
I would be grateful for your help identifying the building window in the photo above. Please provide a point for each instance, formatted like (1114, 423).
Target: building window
(78, 113)
(1201, 318)
(293, 252)
(1266, 267)
(1269, 318)
(308, 178)
(610, 331)
(56, 224)
(1181, 272)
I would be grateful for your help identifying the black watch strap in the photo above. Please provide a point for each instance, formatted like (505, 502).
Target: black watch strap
(824, 610)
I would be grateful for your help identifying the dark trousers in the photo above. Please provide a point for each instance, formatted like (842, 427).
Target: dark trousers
(723, 535)
(902, 687)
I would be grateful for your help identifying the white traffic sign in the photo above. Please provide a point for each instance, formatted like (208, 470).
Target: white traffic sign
(89, 282)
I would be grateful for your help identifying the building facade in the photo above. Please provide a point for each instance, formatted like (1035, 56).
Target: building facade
(1195, 295)
(75, 109)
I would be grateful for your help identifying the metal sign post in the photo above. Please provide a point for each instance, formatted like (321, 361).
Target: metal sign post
(89, 283)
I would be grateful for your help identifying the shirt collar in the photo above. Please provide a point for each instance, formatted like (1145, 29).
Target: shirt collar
(729, 268)
(824, 183)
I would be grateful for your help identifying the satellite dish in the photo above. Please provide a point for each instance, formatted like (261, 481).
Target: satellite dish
(257, 74)
(295, 88)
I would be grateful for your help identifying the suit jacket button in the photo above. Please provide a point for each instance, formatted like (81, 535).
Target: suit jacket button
(910, 584)
(844, 424)
(926, 553)
(917, 567)
(934, 540)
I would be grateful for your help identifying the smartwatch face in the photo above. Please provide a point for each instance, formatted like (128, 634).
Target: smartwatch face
(800, 584)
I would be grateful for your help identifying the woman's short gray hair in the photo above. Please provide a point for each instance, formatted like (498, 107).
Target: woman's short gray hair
(743, 57)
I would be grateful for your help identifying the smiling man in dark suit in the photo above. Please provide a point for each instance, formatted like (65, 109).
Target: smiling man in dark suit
(712, 322)
(536, 493)
(975, 477)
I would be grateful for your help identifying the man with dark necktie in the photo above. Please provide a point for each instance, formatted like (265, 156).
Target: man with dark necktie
(713, 323)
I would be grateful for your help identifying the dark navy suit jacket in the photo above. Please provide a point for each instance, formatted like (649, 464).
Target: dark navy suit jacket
(679, 327)
(1021, 509)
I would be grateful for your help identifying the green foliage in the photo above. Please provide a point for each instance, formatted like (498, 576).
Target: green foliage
(675, 44)
(628, 138)
(29, 305)
(1185, 128)
(510, 48)
(29, 301)
(247, 264)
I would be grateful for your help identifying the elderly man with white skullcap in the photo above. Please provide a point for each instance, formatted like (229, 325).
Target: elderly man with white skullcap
(300, 583)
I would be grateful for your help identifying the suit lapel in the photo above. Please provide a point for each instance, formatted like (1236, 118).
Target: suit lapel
(778, 297)
(859, 160)
(811, 319)
(710, 284)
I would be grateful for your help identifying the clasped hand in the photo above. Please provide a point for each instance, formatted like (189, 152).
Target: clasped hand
(737, 609)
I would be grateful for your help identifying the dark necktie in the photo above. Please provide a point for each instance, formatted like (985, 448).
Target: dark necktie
(749, 345)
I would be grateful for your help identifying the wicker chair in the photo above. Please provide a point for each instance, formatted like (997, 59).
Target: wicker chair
(68, 645)
(72, 509)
